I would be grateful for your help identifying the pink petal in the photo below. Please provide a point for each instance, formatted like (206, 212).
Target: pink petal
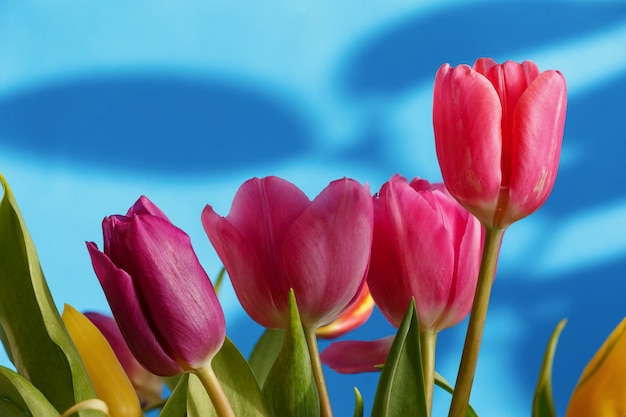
(174, 291)
(251, 282)
(353, 357)
(538, 130)
(467, 117)
(121, 295)
(145, 206)
(327, 249)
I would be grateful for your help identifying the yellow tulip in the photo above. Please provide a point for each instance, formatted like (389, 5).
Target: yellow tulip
(107, 375)
(601, 390)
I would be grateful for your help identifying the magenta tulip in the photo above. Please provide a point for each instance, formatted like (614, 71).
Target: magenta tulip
(498, 132)
(160, 296)
(275, 238)
(425, 246)
(148, 386)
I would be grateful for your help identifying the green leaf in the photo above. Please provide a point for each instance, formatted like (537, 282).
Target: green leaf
(198, 401)
(19, 398)
(358, 408)
(238, 382)
(400, 390)
(543, 403)
(33, 333)
(176, 404)
(265, 353)
(289, 388)
(443, 383)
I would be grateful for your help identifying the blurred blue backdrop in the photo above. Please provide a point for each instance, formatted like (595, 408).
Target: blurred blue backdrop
(101, 102)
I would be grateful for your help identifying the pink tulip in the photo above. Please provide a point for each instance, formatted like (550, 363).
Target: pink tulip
(355, 356)
(498, 132)
(425, 246)
(275, 238)
(149, 387)
(160, 296)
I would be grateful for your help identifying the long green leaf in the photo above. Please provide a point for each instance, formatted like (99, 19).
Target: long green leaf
(358, 407)
(400, 390)
(289, 388)
(176, 405)
(543, 403)
(443, 383)
(265, 353)
(33, 333)
(20, 398)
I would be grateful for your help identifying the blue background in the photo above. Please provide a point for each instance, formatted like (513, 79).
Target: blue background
(101, 102)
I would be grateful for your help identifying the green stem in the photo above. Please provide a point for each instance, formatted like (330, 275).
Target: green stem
(469, 359)
(428, 342)
(215, 391)
(318, 373)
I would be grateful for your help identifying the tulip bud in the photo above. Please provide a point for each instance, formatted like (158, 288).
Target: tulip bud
(426, 246)
(275, 239)
(107, 376)
(148, 386)
(160, 296)
(601, 390)
(498, 132)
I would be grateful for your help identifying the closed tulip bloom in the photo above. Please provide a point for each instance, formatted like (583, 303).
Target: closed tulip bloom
(275, 238)
(601, 390)
(425, 246)
(160, 296)
(498, 133)
(148, 386)
(107, 375)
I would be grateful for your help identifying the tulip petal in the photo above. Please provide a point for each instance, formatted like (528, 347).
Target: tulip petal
(353, 357)
(354, 316)
(246, 271)
(327, 249)
(539, 121)
(144, 206)
(174, 291)
(107, 375)
(467, 117)
(248, 242)
(121, 295)
(601, 390)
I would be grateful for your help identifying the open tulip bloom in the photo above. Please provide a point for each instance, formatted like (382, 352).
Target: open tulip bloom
(425, 254)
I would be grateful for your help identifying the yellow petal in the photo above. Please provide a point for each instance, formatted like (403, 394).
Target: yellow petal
(109, 379)
(601, 390)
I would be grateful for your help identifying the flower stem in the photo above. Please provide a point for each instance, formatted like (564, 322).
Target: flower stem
(215, 391)
(428, 342)
(469, 359)
(318, 373)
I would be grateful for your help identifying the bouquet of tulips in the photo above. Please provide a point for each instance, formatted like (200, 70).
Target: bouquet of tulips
(425, 254)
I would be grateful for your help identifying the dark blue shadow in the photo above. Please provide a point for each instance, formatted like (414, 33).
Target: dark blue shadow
(410, 51)
(154, 123)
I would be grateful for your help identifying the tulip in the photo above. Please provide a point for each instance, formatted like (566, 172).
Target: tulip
(356, 356)
(148, 386)
(601, 390)
(354, 316)
(107, 375)
(426, 246)
(498, 132)
(159, 294)
(275, 239)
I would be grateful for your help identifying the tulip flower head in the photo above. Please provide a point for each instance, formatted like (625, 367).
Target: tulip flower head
(498, 132)
(426, 246)
(162, 299)
(275, 239)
